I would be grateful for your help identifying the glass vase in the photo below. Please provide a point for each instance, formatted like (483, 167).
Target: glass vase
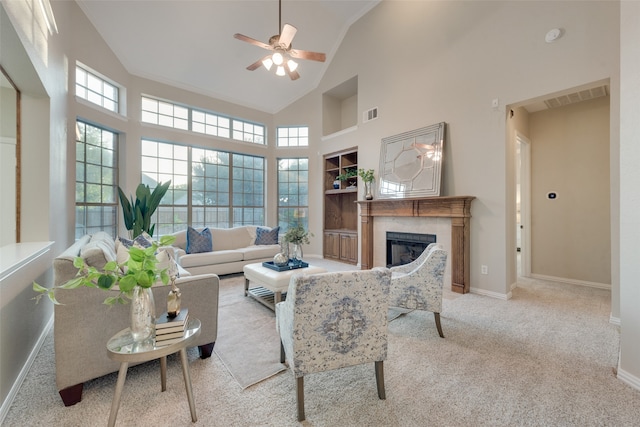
(297, 252)
(143, 314)
(367, 191)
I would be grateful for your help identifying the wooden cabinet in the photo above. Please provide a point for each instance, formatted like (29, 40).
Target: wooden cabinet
(341, 246)
(340, 208)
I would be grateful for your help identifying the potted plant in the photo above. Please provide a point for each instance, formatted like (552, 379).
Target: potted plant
(133, 278)
(349, 175)
(297, 235)
(137, 214)
(367, 177)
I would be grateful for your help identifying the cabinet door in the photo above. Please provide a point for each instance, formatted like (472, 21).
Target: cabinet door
(349, 248)
(331, 245)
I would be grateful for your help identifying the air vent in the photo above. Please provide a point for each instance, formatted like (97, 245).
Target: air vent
(572, 98)
(369, 115)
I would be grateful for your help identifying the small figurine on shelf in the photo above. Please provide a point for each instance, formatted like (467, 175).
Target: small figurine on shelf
(173, 299)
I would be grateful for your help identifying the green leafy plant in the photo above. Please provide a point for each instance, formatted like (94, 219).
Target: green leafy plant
(366, 175)
(141, 269)
(137, 214)
(297, 234)
(348, 173)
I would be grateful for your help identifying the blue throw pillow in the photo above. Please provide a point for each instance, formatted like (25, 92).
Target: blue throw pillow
(198, 242)
(267, 236)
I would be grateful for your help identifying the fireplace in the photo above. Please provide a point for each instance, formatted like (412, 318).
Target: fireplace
(403, 248)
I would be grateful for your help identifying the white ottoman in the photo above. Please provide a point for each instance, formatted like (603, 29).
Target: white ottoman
(271, 283)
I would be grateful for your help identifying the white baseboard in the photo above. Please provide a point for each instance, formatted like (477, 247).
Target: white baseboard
(491, 294)
(4, 409)
(629, 379)
(614, 320)
(572, 281)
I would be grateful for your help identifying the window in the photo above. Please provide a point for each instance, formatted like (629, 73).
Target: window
(96, 180)
(293, 193)
(248, 132)
(95, 89)
(202, 191)
(165, 113)
(295, 136)
(211, 124)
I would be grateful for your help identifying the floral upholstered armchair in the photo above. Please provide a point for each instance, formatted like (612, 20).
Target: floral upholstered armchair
(334, 320)
(418, 285)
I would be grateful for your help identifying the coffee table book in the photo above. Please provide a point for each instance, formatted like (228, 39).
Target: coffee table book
(164, 321)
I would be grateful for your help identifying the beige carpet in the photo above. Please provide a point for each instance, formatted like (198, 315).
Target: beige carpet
(248, 343)
(544, 358)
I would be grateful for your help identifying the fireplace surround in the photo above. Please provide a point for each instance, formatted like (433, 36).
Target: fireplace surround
(457, 208)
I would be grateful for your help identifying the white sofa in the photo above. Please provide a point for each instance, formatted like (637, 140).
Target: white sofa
(233, 248)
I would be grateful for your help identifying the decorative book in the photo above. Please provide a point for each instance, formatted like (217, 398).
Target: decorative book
(163, 343)
(164, 321)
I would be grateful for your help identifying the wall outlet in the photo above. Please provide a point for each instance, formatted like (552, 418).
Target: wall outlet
(484, 269)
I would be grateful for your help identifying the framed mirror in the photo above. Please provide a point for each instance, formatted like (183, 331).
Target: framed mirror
(411, 163)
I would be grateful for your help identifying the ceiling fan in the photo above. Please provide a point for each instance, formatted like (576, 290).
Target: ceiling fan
(282, 49)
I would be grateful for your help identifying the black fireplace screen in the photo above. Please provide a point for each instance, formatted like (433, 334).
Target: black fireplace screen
(403, 248)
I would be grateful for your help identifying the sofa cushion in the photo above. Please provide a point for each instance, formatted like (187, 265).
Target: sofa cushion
(259, 251)
(210, 258)
(99, 250)
(199, 241)
(267, 236)
(231, 238)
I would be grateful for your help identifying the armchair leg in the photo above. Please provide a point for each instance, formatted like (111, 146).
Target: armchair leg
(300, 397)
(281, 352)
(438, 325)
(380, 379)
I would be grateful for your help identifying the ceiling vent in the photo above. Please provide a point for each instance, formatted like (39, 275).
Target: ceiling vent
(572, 98)
(369, 115)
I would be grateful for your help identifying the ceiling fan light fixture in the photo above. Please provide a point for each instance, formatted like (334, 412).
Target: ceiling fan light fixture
(277, 58)
(292, 65)
(267, 62)
(280, 71)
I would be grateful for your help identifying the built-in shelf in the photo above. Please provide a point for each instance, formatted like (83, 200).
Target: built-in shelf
(340, 240)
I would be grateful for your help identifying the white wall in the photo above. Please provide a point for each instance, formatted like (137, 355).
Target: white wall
(629, 369)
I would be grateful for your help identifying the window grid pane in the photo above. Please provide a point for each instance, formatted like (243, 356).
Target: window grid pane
(96, 90)
(96, 180)
(294, 136)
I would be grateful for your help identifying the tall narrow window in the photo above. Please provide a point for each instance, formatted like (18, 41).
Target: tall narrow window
(248, 190)
(96, 180)
(211, 188)
(96, 89)
(293, 192)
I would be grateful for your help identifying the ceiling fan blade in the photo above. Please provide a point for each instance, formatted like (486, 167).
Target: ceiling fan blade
(305, 54)
(287, 34)
(257, 64)
(252, 41)
(293, 74)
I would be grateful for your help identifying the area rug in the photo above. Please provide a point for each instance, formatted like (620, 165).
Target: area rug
(248, 344)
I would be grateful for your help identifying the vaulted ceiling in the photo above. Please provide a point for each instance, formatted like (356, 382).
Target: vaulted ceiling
(190, 44)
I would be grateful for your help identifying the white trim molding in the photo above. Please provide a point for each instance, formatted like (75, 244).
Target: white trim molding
(606, 286)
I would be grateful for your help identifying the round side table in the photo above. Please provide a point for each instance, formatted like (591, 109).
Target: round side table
(122, 348)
